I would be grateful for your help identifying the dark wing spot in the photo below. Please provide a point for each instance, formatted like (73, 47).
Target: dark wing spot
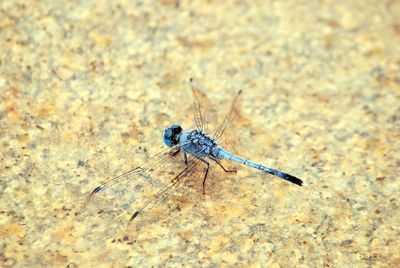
(96, 190)
(134, 215)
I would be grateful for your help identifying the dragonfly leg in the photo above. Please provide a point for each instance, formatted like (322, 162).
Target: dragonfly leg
(219, 163)
(205, 175)
(185, 159)
(177, 152)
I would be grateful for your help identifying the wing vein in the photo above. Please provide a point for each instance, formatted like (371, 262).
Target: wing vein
(221, 128)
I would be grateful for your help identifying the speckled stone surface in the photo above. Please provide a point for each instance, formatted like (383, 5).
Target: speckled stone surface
(87, 87)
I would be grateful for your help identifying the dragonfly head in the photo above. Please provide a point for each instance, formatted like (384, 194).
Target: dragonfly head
(171, 135)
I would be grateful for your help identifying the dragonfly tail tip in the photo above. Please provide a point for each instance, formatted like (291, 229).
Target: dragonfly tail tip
(295, 180)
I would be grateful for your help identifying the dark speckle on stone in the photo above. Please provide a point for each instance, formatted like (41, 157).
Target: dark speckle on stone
(32, 145)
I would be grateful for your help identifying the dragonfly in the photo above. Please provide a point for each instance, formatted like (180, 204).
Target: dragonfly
(180, 168)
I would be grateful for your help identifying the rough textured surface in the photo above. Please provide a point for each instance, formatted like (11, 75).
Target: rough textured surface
(87, 88)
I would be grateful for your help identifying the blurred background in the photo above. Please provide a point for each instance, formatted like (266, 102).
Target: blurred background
(87, 88)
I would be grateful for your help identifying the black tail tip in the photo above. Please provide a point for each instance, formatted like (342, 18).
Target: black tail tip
(294, 180)
(288, 177)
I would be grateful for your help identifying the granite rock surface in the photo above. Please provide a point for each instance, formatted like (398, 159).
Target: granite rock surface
(87, 88)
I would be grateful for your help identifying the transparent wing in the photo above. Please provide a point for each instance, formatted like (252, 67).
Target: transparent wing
(227, 136)
(122, 194)
(179, 193)
(198, 116)
(221, 128)
(205, 115)
(138, 172)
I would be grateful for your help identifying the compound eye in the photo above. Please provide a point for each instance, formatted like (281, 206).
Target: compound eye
(171, 135)
(168, 137)
(176, 129)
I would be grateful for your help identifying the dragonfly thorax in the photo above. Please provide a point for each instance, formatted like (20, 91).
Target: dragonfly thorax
(197, 142)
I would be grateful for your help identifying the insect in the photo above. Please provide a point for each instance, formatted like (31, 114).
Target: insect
(186, 161)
